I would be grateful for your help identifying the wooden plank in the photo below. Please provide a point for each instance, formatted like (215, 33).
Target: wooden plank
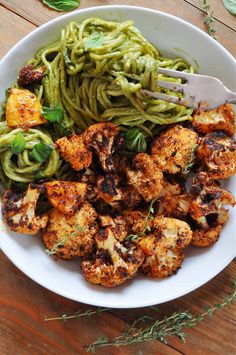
(213, 336)
(10, 21)
(24, 304)
(39, 14)
(220, 12)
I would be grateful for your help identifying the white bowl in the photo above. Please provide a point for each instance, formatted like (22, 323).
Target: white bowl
(174, 37)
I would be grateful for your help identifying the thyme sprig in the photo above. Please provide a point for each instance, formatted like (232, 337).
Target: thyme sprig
(161, 329)
(147, 228)
(61, 243)
(209, 20)
(186, 170)
(78, 314)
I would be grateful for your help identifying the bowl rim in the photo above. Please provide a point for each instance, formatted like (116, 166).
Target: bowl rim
(146, 302)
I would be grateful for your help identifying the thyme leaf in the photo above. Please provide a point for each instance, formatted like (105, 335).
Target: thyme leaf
(209, 20)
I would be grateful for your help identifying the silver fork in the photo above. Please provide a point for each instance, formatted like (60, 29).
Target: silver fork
(200, 91)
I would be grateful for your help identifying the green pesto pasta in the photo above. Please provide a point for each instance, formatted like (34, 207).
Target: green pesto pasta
(96, 72)
(23, 168)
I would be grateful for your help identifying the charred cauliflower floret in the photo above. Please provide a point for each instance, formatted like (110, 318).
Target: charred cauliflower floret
(175, 206)
(220, 119)
(164, 247)
(75, 151)
(108, 190)
(19, 211)
(69, 236)
(66, 195)
(29, 75)
(217, 154)
(113, 262)
(209, 197)
(23, 109)
(173, 151)
(136, 221)
(130, 197)
(145, 177)
(206, 237)
(104, 138)
(171, 188)
(117, 225)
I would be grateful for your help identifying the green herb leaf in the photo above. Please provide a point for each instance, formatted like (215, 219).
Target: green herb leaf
(41, 152)
(135, 140)
(62, 5)
(230, 5)
(96, 40)
(53, 114)
(18, 144)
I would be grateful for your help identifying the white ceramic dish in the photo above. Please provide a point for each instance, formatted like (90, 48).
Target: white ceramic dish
(174, 37)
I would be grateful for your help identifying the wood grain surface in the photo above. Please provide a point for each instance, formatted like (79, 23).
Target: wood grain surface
(24, 304)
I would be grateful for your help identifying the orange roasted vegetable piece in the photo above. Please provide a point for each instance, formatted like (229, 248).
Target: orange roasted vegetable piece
(23, 109)
(66, 195)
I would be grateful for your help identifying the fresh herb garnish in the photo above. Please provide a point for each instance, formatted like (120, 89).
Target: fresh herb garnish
(53, 114)
(62, 5)
(186, 170)
(135, 140)
(77, 315)
(147, 227)
(18, 144)
(41, 152)
(209, 20)
(230, 5)
(95, 40)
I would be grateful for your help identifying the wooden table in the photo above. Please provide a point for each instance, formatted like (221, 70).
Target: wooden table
(24, 304)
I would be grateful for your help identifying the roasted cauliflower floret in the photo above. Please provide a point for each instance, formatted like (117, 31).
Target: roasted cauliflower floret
(171, 188)
(29, 75)
(206, 237)
(164, 247)
(108, 190)
(130, 197)
(66, 195)
(220, 119)
(70, 236)
(175, 206)
(136, 221)
(209, 197)
(117, 225)
(104, 138)
(75, 151)
(113, 262)
(217, 154)
(19, 211)
(145, 177)
(23, 109)
(173, 150)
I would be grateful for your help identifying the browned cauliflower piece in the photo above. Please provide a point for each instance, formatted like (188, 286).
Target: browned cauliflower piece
(209, 197)
(70, 236)
(113, 263)
(104, 138)
(145, 177)
(206, 237)
(108, 190)
(75, 151)
(171, 188)
(117, 225)
(217, 154)
(164, 247)
(175, 206)
(220, 119)
(29, 75)
(19, 210)
(173, 150)
(130, 197)
(66, 195)
(136, 221)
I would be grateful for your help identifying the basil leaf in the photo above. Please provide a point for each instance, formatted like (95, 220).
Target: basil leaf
(41, 152)
(18, 144)
(96, 40)
(135, 140)
(53, 114)
(230, 5)
(62, 5)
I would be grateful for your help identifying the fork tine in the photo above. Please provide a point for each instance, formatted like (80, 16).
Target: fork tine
(175, 100)
(171, 85)
(174, 73)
